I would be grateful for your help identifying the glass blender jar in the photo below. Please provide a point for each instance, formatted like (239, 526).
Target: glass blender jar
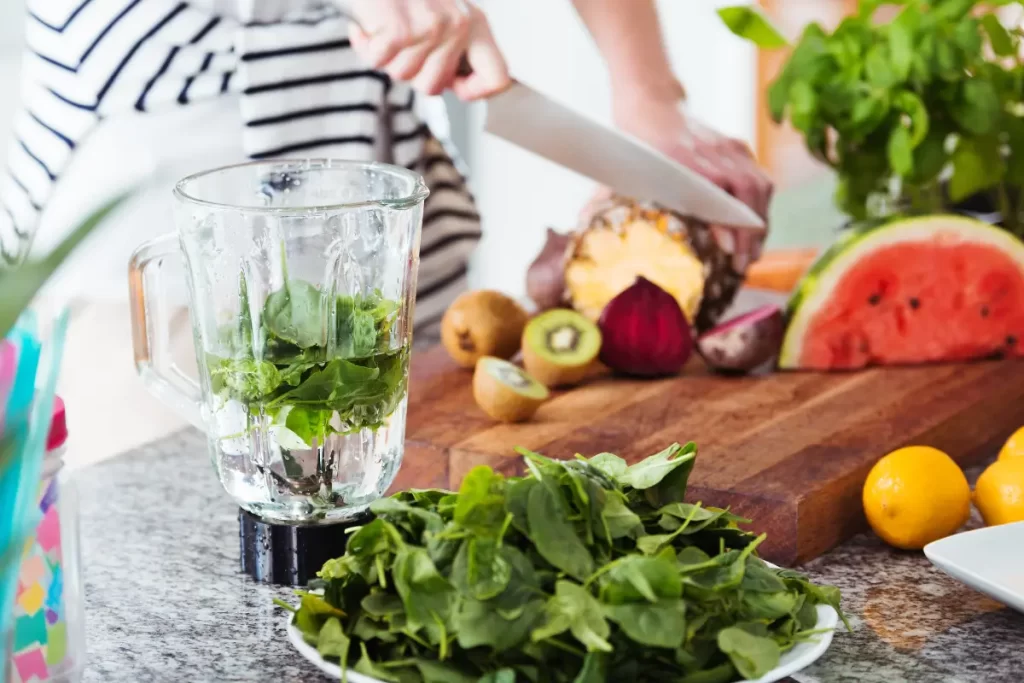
(301, 279)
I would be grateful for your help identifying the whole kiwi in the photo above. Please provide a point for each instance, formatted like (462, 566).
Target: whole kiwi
(482, 323)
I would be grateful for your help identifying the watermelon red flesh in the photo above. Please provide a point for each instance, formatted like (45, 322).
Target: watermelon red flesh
(915, 302)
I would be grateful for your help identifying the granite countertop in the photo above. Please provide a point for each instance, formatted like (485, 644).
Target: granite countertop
(165, 600)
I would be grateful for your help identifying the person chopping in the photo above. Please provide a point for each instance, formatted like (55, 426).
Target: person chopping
(323, 80)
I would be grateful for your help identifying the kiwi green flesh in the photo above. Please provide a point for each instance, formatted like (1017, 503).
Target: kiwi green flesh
(564, 338)
(513, 377)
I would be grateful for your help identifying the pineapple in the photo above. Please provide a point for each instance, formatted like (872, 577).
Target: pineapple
(626, 239)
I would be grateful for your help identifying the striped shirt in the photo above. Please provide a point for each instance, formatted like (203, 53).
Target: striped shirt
(302, 92)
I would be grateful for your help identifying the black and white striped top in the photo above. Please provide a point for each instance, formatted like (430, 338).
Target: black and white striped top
(302, 91)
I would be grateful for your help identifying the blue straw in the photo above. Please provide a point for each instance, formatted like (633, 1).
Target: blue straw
(19, 482)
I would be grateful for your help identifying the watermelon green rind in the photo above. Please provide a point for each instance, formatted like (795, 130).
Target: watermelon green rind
(828, 269)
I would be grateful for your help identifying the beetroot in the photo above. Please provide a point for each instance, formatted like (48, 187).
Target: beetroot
(644, 332)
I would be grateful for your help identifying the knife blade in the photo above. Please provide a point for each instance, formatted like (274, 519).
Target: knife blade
(533, 121)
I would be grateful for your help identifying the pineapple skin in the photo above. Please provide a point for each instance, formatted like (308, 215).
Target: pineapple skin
(625, 239)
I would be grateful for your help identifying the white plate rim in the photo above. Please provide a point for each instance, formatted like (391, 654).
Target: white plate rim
(945, 554)
(799, 657)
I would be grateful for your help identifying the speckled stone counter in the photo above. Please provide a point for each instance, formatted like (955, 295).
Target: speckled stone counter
(165, 600)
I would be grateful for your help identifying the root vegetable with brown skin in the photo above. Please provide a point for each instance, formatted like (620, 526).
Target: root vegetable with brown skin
(505, 391)
(482, 323)
(625, 240)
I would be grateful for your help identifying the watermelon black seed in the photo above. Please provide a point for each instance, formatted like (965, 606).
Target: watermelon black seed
(915, 303)
(875, 299)
(1011, 340)
(984, 311)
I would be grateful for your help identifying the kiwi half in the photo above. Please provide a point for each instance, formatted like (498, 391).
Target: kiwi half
(560, 346)
(505, 392)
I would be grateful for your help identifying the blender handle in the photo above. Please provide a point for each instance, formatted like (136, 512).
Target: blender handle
(150, 332)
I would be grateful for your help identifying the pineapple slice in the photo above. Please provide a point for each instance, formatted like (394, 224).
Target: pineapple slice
(608, 256)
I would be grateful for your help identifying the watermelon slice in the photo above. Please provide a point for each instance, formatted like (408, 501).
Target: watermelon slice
(919, 290)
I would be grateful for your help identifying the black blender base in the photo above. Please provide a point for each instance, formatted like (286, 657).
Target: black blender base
(286, 555)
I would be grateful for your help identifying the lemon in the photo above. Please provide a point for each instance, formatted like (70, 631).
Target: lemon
(999, 493)
(916, 495)
(1014, 446)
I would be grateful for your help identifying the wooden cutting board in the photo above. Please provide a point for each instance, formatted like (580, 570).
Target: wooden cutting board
(789, 450)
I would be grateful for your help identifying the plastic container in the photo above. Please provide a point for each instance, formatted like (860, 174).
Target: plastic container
(49, 629)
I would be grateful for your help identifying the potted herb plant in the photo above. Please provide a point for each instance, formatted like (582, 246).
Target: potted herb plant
(921, 114)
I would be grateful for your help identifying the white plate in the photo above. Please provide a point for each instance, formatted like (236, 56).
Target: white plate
(801, 656)
(989, 560)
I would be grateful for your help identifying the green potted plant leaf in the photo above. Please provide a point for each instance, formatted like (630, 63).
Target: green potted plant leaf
(20, 284)
(921, 114)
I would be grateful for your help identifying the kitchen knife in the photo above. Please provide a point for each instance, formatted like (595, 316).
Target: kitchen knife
(535, 122)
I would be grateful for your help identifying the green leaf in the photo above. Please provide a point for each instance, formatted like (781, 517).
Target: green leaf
(479, 570)
(879, 69)
(612, 465)
(593, 670)
(901, 49)
(618, 518)
(998, 37)
(662, 624)
(517, 496)
(440, 672)
(426, 594)
(481, 505)
(901, 151)
(636, 578)
(246, 380)
(308, 424)
(293, 313)
(803, 105)
(868, 113)
(21, 284)
(915, 110)
(368, 667)
(481, 624)
(650, 471)
(967, 37)
(315, 604)
(977, 166)
(723, 673)
(770, 606)
(749, 23)
(552, 532)
(753, 656)
(977, 108)
(500, 676)
(573, 608)
(332, 642)
(357, 327)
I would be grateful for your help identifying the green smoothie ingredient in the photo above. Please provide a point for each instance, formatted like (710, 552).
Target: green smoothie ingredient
(308, 382)
(582, 571)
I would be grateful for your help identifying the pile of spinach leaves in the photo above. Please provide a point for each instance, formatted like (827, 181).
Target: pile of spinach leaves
(284, 369)
(896, 108)
(583, 571)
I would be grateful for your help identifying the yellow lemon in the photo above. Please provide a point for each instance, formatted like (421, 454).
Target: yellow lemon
(999, 493)
(1014, 446)
(916, 495)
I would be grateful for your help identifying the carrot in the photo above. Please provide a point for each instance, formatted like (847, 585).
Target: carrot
(780, 270)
